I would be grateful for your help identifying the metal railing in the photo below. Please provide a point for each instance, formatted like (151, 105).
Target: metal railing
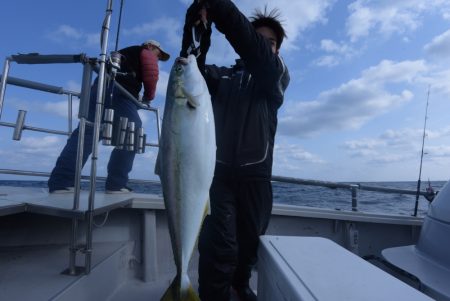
(354, 188)
(89, 65)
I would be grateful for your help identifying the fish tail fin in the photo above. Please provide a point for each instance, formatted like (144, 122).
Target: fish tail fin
(180, 290)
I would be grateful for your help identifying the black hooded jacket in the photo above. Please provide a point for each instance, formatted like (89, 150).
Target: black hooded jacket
(245, 97)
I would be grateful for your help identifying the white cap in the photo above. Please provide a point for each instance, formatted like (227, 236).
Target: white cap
(164, 55)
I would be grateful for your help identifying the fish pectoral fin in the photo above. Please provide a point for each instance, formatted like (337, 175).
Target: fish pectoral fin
(192, 95)
(192, 103)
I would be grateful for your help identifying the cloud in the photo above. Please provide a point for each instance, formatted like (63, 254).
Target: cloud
(400, 146)
(331, 46)
(368, 144)
(298, 15)
(336, 52)
(291, 159)
(405, 138)
(376, 150)
(34, 143)
(68, 32)
(354, 103)
(438, 151)
(74, 38)
(60, 108)
(388, 17)
(439, 47)
(56, 108)
(391, 72)
(437, 79)
(39, 153)
(327, 61)
(169, 28)
(294, 152)
(44, 147)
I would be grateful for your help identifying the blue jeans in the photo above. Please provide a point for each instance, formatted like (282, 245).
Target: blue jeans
(120, 162)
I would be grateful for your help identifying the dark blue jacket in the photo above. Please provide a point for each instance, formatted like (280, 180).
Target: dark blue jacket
(246, 97)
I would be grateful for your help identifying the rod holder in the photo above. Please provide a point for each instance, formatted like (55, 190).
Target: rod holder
(140, 140)
(121, 133)
(107, 130)
(3, 80)
(144, 143)
(130, 136)
(19, 125)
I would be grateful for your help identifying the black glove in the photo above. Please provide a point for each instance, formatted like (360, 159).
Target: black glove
(202, 29)
(193, 13)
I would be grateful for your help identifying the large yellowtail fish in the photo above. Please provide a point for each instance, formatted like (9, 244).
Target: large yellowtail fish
(185, 165)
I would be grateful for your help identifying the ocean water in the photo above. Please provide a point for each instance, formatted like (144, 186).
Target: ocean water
(311, 196)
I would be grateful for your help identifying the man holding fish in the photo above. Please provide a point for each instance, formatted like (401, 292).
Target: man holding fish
(245, 99)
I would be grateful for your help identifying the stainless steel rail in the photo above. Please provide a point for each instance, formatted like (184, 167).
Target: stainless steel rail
(19, 126)
(306, 182)
(83, 177)
(345, 185)
(35, 129)
(353, 187)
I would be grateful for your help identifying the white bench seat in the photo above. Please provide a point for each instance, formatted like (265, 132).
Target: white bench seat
(315, 268)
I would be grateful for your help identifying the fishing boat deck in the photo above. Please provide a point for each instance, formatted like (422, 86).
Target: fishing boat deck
(41, 268)
(37, 200)
(131, 253)
(38, 269)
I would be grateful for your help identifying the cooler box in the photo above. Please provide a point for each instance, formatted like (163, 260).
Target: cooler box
(314, 268)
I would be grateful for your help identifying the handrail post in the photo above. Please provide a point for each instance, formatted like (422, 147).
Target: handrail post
(354, 189)
(158, 124)
(96, 134)
(69, 112)
(3, 83)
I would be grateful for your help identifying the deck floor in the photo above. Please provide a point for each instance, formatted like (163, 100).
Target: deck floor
(38, 200)
(138, 290)
(34, 273)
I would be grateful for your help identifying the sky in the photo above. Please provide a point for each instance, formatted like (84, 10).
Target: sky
(361, 72)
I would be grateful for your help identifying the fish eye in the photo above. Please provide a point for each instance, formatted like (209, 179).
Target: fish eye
(178, 69)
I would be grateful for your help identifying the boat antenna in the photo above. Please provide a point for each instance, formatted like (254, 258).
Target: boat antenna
(421, 155)
(118, 25)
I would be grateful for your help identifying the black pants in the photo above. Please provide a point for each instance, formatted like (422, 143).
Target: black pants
(228, 243)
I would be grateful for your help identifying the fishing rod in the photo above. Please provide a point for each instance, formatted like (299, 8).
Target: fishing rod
(421, 155)
(118, 25)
